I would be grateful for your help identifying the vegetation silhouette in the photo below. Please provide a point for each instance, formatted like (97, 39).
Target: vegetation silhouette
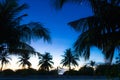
(8, 72)
(45, 61)
(69, 59)
(4, 58)
(24, 60)
(91, 63)
(86, 70)
(16, 36)
(71, 72)
(102, 29)
(108, 70)
(26, 72)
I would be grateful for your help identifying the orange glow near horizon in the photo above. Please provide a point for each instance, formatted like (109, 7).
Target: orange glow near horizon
(56, 59)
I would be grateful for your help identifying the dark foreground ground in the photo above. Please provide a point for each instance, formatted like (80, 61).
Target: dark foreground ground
(36, 77)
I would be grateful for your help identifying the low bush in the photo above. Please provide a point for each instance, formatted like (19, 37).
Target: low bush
(108, 70)
(7, 72)
(86, 71)
(44, 72)
(26, 72)
(71, 72)
(53, 72)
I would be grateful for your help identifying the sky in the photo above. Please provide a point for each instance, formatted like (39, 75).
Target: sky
(63, 36)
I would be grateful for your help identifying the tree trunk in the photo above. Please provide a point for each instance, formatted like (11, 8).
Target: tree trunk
(69, 67)
(1, 67)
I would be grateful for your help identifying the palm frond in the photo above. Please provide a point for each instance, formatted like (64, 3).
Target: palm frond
(40, 32)
(45, 61)
(58, 4)
(22, 48)
(14, 34)
(69, 58)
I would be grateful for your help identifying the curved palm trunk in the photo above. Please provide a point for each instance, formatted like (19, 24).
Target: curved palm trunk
(48, 69)
(29, 67)
(1, 67)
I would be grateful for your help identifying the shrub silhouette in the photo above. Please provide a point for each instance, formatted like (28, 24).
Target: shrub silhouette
(25, 72)
(108, 70)
(44, 72)
(8, 72)
(71, 72)
(53, 72)
(86, 71)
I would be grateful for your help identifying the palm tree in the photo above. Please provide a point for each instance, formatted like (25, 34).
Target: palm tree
(92, 63)
(14, 35)
(23, 60)
(69, 59)
(4, 58)
(101, 30)
(45, 61)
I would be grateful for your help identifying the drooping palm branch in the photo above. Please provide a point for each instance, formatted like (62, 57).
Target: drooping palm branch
(45, 61)
(101, 30)
(69, 59)
(24, 60)
(4, 58)
(12, 33)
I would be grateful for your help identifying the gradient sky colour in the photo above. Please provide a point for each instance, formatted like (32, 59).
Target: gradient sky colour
(63, 36)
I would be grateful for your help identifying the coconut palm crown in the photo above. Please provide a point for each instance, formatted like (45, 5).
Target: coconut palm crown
(5, 59)
(45, 61)
(69, 59)
(24, 61)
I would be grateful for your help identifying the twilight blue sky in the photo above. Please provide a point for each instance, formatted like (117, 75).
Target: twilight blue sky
(63, 36)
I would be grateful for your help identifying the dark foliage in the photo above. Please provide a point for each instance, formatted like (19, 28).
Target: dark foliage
(28, 72)
(44, 72)
(45, 61)
(53, 72)
(25, 72)
(4, 58)
(24, 60)
(102, 29)
(108, 70)
(71, 72)
(86, 71)
(69, 59)
(7, 72)
(14, 35)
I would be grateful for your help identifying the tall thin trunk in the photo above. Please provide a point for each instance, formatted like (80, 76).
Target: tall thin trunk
(48, 69)
(69, 66)
(1, 67)
(28, 67)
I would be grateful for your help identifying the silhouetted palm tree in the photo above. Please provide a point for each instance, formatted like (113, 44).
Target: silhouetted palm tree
(45, 61)
(13, 34)
(101, 30)
(4, 58)
(92, 63)
(24, 61)
(69, 59)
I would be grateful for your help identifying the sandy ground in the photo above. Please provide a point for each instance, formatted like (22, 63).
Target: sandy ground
(56, 78)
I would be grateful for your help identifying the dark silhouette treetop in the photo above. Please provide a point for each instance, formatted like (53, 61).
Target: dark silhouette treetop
(102, 29)
(15, 35)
